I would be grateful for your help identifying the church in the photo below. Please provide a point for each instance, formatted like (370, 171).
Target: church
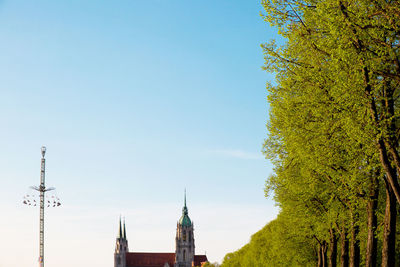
(184, 255)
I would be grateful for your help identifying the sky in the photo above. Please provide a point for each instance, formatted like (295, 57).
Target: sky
(135, 100)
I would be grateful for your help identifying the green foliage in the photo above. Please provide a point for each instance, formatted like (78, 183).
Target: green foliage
(274, 245)
(208, 264)
(334, 125)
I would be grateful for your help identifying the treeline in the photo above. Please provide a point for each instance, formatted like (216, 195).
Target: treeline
(274, 245)
(333, 138)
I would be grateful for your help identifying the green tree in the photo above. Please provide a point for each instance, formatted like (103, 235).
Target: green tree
(333, 135)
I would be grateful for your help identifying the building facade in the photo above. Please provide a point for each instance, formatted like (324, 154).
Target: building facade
(184, 255)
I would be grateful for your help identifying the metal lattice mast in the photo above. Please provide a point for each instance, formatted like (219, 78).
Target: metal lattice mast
(52, 201)
(42, 190)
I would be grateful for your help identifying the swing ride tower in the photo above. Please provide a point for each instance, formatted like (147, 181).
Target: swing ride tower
(52, 201)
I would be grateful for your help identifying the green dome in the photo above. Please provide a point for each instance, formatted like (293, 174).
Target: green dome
(185, 220)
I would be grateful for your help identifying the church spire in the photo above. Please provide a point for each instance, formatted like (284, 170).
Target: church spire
(185, 220)
(185, 197)
(124, 229)
(121, 246)
(120, 228)
(185, 209)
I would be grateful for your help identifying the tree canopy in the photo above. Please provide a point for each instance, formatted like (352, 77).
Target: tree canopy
(333, 135)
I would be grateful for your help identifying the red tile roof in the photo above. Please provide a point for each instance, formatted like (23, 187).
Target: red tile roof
(147, 259)
(144, 259)
(199, 260)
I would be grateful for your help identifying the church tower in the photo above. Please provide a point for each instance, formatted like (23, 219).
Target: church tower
(184, 252)
(121, 247)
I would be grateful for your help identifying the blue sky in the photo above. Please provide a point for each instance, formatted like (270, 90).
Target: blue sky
(135, 100)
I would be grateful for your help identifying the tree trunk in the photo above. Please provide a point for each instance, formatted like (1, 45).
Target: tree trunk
(389, 146)
(372, 241)
(324, 256)
(344, 248)
(391, 141)
(319, 264)
(332, 247)
(391, 173)
(355, 242)
(389, 232)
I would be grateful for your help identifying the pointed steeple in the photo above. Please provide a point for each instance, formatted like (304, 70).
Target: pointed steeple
(124, 229)
(121, 246)
(185, 220)
(185, 197)
(120, 228)
(185, 209)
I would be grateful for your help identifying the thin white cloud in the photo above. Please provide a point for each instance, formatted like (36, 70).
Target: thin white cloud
(237, 153)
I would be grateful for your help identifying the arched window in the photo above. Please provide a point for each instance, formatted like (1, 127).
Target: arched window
(184, 235)
(184, 255)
